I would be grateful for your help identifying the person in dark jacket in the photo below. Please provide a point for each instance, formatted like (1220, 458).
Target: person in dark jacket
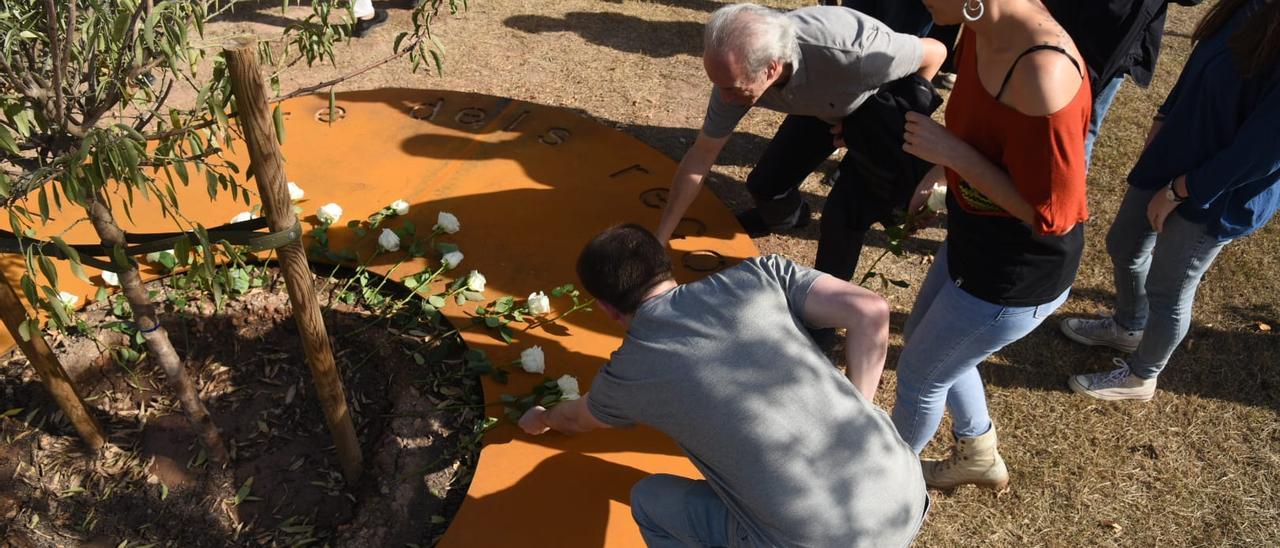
(1116, 37)
(1210, 174)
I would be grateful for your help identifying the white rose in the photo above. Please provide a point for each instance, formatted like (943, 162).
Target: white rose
(532, 360)
(329, 213)
(938, 198)
(539, 304)
(68, 299)
(110, 278)
(400, 207)
(452, 259)
(476, 281)
(447, 222)
(242, 217)
(388, 240)
(568, 387)
(295, 192)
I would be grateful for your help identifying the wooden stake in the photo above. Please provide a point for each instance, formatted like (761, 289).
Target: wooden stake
(46, 364)
(267, 166)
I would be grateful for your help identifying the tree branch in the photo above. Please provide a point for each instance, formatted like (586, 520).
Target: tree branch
(55, 55)
(330, 83)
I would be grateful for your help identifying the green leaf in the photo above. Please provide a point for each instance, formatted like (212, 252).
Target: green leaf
(50, 273)
(211, 182)
(332, 105)
(24, 330)
(72, 257)
(244, 491)
(119, 259)
(492, 321)
(278, 117)
(436, 301)
(7, 142)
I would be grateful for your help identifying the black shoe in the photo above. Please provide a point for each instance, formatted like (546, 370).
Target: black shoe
(755, 226)
(363, 26)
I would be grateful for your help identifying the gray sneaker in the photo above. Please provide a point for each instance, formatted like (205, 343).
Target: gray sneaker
(1117, 384)
(1102, 331)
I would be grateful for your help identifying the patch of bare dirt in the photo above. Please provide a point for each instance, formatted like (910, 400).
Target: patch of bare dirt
(283, 486)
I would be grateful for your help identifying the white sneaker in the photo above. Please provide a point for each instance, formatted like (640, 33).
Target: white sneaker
(1118, 384)
(1102, 331)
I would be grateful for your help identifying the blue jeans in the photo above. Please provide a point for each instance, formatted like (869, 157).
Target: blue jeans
(947, 335)
(1101, 105)
(675, 511)
(1156, 277)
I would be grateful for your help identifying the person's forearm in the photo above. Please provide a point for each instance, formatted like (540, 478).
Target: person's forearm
(867, 345)
(994, 183)
(684, 188)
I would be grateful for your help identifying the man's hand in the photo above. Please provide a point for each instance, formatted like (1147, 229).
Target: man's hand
(837, 135)
(533, 422)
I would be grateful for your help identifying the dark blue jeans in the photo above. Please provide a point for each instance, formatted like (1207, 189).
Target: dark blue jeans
(1101, 105)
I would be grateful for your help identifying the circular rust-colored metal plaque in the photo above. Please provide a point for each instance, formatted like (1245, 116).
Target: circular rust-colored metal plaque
(525, 181)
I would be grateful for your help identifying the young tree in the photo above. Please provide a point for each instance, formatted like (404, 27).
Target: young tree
(86, 123)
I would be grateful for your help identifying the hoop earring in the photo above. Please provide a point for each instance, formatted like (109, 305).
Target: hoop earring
(981, 10)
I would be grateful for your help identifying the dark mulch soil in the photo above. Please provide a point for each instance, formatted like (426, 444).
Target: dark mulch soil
(153, 485)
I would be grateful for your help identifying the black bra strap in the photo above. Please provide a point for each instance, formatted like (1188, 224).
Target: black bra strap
(1030, 50)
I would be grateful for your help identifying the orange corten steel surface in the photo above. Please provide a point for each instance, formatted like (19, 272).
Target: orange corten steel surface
(530, 184)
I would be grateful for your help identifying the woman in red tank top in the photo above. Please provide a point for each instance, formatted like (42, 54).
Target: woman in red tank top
(1012, 157)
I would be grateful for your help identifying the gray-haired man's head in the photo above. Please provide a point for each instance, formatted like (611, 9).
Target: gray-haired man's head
(745, 49)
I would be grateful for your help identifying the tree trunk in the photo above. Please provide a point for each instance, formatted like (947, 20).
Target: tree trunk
(52, 375)
(267, 165)
(157, 339)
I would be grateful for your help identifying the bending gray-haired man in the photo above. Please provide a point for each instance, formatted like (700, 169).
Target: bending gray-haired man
(818, 65)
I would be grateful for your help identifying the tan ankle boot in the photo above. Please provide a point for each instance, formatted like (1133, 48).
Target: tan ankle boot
(972, 461)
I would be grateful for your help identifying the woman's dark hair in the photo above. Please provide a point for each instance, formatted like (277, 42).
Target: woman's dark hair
(621, 265)
(1256, 44)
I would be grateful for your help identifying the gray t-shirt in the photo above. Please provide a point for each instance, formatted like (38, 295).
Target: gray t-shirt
(845, 57)
(725, 367)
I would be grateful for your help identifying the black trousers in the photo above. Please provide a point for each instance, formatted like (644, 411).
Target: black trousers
(801, 144)
(876, 177)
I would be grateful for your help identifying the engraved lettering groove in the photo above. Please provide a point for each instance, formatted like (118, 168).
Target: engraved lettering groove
(629, 169)
(688, 226)
(471, 117)
(515, 122)
(555, 136)
(322, 115)
(703, 260)
(655, 198)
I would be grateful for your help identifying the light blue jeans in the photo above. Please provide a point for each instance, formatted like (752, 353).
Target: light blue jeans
(1156, 277)
(947, 335)
(1101, 105)
(675, 511)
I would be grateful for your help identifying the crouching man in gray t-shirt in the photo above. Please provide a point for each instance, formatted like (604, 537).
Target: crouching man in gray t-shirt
(794, 454)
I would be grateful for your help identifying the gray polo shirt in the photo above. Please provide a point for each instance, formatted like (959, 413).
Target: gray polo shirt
(845, 57)
(725, 368)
